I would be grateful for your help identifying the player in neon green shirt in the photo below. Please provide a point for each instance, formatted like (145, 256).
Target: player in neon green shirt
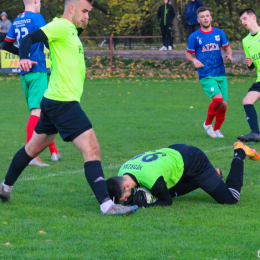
(175, 171)
(60, 109)
(252, 52)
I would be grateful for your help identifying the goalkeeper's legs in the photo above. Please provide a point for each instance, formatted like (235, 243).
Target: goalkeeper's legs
(199, 171)
(229, 192)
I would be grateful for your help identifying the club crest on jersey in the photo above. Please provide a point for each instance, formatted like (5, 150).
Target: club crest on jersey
(199, 39)
(217, 38)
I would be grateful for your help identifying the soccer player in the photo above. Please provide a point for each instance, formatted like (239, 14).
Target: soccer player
(34, 81)
(61, 111)
(252, 51)
(177, 170)
(207, 43)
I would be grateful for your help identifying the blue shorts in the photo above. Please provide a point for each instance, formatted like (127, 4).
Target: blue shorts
(66, 118)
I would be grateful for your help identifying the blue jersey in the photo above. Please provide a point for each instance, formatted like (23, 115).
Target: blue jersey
(26, 23)
(207, 46)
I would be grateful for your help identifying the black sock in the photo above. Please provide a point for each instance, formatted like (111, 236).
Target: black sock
(234, 179)
(251, 116)
(95, 177)
(18, 164)
(239, 154)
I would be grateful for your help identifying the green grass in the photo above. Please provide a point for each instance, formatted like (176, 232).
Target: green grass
(129, 116)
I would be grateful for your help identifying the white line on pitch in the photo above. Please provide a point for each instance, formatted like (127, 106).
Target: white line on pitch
(62, 173)
(218, 149)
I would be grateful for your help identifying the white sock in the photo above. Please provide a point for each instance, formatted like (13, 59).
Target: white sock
(7, 188)
(106, 205)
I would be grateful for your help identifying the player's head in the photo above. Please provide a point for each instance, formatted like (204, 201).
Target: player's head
(119, 189)
(248, 17)
(166, 1)
(3, 16)
(35, 4)
(204, 17)
(78, 11)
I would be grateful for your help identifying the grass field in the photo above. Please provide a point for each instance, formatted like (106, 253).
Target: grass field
(54, 215)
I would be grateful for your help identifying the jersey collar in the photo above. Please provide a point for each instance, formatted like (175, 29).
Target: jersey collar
(207, 32)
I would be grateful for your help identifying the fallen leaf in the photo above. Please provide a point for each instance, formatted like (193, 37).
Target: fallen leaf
(191, 107)
(7, 244)
(42, 232)
(5, 223)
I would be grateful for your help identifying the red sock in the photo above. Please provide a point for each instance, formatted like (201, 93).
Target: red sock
(32, 122)
(220, 117)
(212, 111)
(53, 148)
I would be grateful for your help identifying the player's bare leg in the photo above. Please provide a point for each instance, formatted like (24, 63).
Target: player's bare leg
(87, 144)
(21, 159)
(250, 99)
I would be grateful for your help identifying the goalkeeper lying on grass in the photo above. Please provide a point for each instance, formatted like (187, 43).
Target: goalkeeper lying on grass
(175, 171)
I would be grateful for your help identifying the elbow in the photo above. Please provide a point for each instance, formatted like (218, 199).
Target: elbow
(4, 46)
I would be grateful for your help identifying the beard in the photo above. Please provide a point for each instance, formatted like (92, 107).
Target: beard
(206, 27)
(75, 22)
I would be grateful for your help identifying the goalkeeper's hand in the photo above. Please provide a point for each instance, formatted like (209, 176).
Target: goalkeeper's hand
(139, 199)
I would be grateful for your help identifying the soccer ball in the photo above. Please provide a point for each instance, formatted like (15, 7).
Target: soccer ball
(149, 197)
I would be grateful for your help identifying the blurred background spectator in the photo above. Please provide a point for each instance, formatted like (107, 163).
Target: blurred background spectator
(5, 25)
(165, 16)
(191, 15)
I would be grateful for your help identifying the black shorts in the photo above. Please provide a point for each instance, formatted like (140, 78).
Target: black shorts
(65, 118)
(197, 168)
(255, 87)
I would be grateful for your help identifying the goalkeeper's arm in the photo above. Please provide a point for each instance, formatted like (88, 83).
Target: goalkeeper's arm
(158, 190)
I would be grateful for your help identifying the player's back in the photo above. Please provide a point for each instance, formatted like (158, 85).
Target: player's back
(148, 167)
(26, 23)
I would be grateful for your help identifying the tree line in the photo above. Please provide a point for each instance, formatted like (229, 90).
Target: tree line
(139, 17)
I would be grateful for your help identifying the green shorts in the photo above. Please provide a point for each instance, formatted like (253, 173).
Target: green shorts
(34, 86)
(215, 85)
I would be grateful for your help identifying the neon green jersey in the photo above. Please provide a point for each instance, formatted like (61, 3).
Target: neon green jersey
(251, 46)
(148, 167)
(67, 61)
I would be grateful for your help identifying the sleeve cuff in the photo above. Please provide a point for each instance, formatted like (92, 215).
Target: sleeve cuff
(226, 46)
(9, 40)
(189, 51)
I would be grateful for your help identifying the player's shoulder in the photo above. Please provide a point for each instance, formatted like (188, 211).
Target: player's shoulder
(195, 34)
(60, 22)
(247, 38)
(218, 30)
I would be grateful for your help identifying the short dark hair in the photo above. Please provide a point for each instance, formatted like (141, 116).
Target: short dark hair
(202, 9)
(115, 187)
(68, 1)
(247, 10)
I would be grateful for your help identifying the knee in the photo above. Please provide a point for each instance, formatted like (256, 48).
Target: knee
(33, 150)
(247, 101)
(223, 104)
(244, 101)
